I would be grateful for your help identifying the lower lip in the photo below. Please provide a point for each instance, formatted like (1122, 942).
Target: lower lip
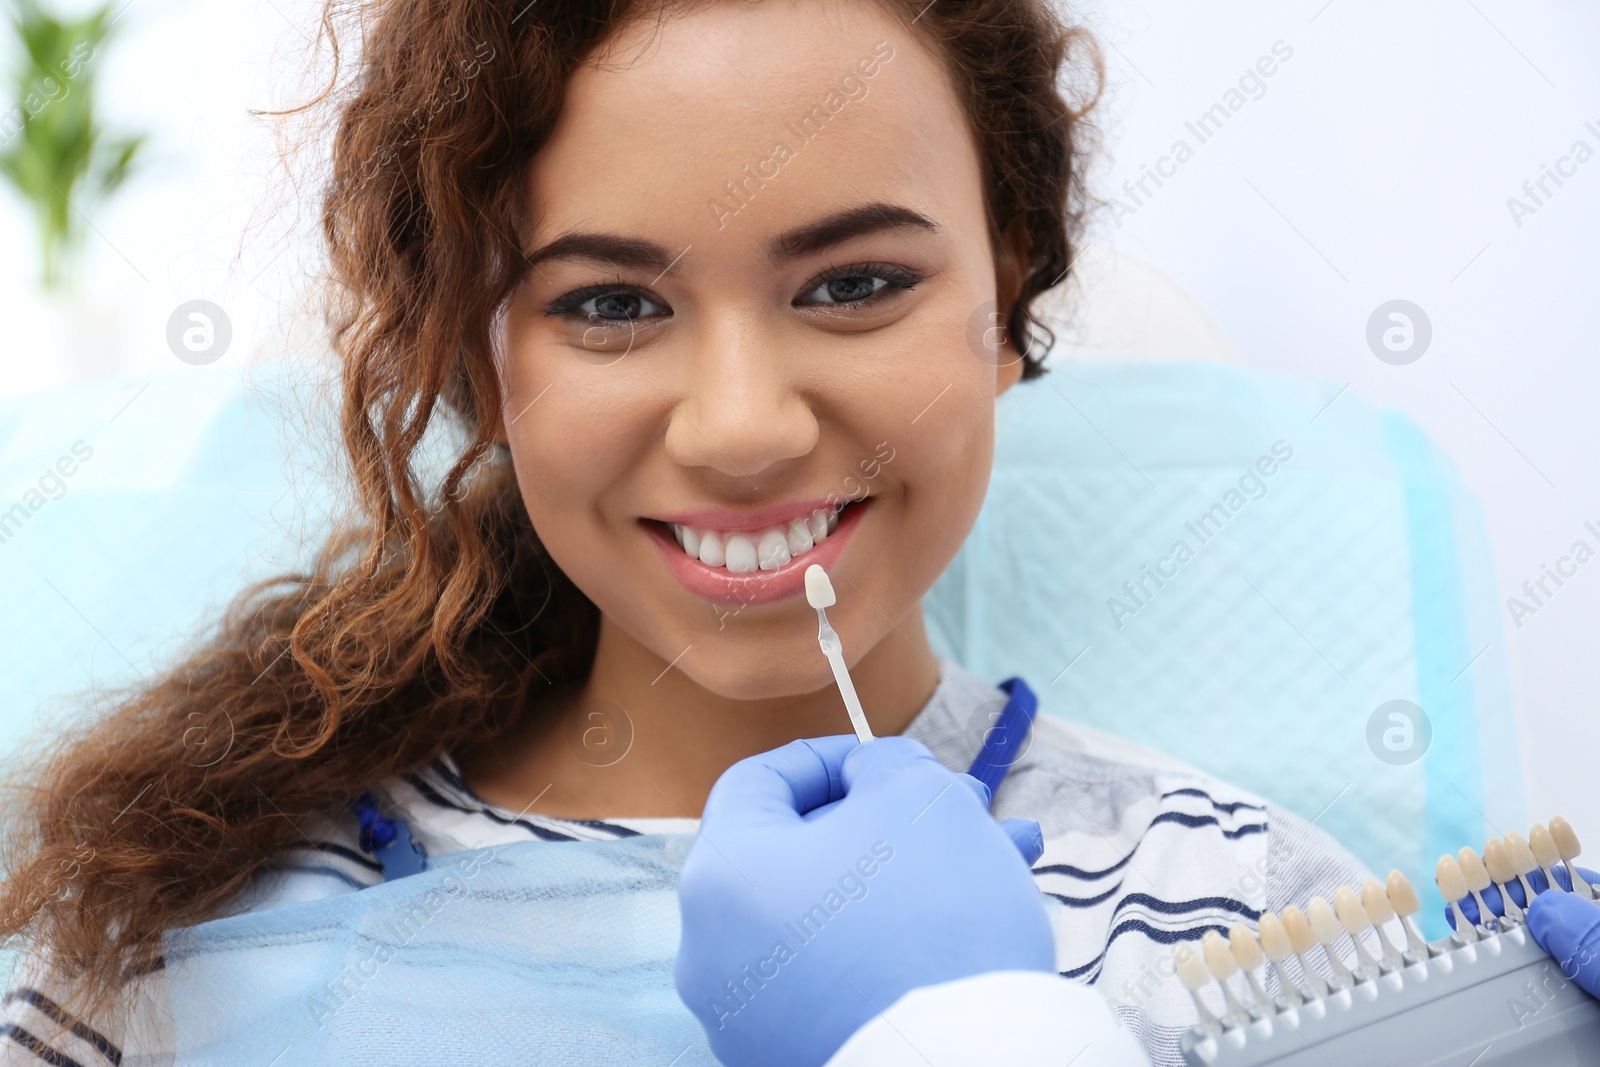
(758, 587)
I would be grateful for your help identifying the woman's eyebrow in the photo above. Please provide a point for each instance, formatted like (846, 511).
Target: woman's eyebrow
(841, 226)
(801, 241)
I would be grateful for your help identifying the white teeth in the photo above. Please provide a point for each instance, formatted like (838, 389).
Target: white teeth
(741, 554)
(772, 551)
(745, 553)
(818, 521)
(799, 536)
(711, 549)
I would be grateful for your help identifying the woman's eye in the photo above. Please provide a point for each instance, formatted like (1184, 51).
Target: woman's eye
(605, 306)
(859, 284)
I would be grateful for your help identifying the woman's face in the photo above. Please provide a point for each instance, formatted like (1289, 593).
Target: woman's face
(762, 289)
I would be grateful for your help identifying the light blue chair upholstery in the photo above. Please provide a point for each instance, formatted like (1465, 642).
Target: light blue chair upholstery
(1358, 573)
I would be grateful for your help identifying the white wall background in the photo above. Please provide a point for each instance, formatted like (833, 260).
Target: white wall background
(1376, 165)
(198, 220)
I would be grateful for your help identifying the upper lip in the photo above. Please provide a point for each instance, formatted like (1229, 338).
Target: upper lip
(748, 519)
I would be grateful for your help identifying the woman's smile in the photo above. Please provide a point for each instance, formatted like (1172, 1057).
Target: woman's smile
(754, 557)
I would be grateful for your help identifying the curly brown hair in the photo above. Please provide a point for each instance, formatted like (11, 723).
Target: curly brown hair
(426, 626)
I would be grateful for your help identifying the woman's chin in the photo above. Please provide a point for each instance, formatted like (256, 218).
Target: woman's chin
(765, 671)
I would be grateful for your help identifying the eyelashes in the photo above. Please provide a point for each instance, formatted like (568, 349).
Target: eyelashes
(618, 304)
(613, 304)
(899, 278)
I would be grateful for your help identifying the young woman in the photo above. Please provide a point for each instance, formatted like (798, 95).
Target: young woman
(712, 291)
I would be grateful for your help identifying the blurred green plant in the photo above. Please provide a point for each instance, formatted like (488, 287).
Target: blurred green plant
(51, 147)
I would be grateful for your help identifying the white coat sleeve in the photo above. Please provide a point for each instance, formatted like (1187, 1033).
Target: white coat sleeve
(1000, 1019)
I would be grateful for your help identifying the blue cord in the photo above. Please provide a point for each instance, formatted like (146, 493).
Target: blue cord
(376, 831)
(388, 840)
(1003, 740)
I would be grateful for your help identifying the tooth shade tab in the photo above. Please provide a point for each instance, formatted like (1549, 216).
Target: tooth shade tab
(1473, 870)
(1323, 923)
(1498, 859)
(1402, 895)
(1219, 957)
(1274, 940)
(1522, 859)
(1379, 909)
(1543, 845)
(1191, 969)
(1352, 916)
(1566, 841)
(1452, 883)
(1246, 949)
(819, 590)
(1298, 929)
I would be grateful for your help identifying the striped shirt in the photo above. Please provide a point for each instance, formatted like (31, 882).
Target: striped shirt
(1140, 852)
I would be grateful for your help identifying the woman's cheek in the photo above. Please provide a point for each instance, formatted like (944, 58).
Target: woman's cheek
(569, 448)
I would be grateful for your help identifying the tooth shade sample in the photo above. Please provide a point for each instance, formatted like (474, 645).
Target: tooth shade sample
(1323, 922)
(1298, 929)
(1566, 841)
(1246, 949)
(1498, 860)
(1451, 881)
(1274, 940)
(1218, 956)
(1191, 969)
(1521, 855)
(1402, 895)
(819, 590)
(1352, 916)
(1544, 846)
(1473, 870)
(1378, 907)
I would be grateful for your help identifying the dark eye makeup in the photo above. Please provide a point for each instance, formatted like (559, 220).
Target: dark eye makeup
(845, 288)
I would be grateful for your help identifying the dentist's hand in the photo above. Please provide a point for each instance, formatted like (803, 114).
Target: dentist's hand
(1565, 924)
(830, 878)
(1568, 927)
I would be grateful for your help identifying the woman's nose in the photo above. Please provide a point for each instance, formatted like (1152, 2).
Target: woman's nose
(738, 411)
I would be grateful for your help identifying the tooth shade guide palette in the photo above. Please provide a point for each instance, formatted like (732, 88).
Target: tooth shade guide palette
(1487, 996)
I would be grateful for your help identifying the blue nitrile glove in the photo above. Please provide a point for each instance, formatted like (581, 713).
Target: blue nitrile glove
(1566, 925)
(801, 925)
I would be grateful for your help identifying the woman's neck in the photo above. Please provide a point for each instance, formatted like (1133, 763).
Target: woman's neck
(642, 739)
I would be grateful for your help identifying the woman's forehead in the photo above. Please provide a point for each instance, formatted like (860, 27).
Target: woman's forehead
(691, 127)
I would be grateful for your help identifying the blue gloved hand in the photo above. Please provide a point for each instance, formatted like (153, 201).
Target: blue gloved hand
(829, 878)
(1536, 878)
(1568, 927)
